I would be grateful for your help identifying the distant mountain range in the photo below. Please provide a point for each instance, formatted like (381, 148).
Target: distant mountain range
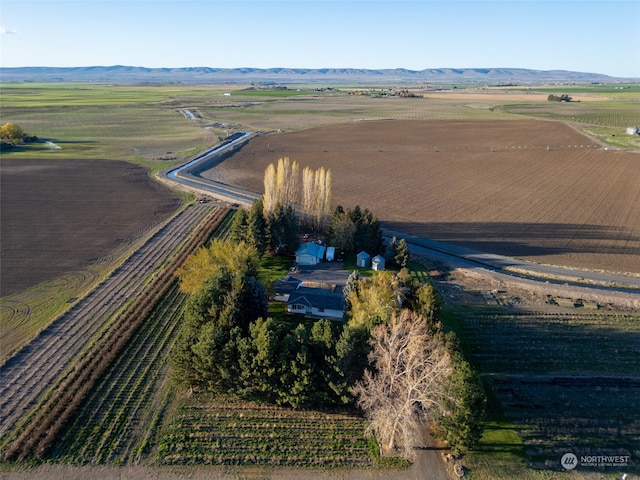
(283, 76)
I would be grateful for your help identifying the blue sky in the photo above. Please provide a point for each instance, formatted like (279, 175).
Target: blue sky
(597, 36)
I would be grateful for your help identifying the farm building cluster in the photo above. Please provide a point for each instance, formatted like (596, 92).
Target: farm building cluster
(315, 283)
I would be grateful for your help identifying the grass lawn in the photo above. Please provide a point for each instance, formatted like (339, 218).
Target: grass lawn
(273, 267)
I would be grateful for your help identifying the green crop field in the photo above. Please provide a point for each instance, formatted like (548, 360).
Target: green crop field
(226, 432)
(563, 382)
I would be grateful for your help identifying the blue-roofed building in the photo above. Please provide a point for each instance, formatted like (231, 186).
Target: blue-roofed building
(310, 253)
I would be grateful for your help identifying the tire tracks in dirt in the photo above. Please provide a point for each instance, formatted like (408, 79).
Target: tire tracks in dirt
(30, 372)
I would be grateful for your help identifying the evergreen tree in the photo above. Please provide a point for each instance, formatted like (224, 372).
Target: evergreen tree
(296, 369)
(282, 227)
(257, 227)
(239, 226)
(221, 310)
(350, 289)
(368, 234)
(259, 361)
(341, 232)
(466, 404)
(392, 248)
(401, 256)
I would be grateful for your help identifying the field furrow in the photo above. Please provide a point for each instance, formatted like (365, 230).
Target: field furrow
(231, 433)
(33, 369)
(567, 381)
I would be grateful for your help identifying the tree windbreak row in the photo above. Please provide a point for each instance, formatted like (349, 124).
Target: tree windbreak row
(389, 357)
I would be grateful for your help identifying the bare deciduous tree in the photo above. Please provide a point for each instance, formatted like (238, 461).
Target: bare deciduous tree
(270, 198)
(319, 189)
(308, 194)
(316, 195)
(328, 196)
(282, 187)
(407, 386)
(288, 173)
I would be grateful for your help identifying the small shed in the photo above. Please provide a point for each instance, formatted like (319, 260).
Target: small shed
(377, 262)
(331, 253)
(363, 259)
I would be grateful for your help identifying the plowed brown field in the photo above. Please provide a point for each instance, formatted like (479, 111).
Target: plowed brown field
(60, 216)
(531, 189)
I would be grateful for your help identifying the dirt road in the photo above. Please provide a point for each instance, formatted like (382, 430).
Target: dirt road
(418, 471)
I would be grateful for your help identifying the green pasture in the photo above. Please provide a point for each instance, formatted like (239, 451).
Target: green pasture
(71, 94)
(118, 132)
(143, 123)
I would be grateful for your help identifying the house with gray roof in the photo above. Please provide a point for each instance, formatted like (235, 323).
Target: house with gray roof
(317, 302)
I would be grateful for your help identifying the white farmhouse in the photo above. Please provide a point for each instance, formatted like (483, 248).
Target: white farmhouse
(316, 303)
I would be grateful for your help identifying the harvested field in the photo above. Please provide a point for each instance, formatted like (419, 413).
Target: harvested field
(64, 215)
(531, 189)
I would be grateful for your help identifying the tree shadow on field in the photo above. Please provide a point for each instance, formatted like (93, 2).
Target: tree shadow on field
(524, 239)
(565, 380)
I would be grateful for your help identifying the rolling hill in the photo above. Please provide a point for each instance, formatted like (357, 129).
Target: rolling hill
(203, 75)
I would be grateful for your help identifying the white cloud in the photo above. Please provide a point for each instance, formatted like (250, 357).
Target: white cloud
(4, 31)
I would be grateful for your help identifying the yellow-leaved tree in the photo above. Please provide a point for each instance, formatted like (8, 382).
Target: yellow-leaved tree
(235, 256)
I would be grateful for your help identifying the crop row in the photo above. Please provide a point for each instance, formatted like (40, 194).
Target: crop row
(116, 416)
(568, 381)
(610, 116)
(558, 343)
(105, 426)
(227, 433)
(56, 411)
(37, 366)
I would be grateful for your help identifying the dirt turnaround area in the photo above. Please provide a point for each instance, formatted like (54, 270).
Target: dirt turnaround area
(537, 190)
(63, 215)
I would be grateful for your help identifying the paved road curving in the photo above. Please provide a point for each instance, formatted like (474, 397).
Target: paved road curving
(602, 283)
